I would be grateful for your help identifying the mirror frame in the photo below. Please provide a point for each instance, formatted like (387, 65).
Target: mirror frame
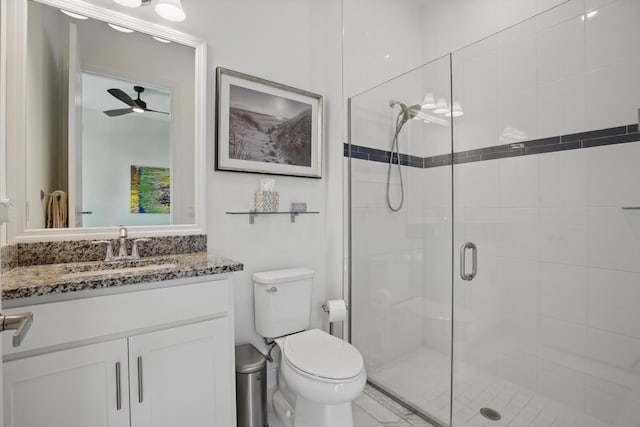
(13, 121)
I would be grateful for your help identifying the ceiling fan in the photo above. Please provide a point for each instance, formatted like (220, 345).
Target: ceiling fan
(135, 105)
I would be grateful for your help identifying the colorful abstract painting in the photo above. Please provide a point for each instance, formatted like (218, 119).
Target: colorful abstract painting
(150, 190)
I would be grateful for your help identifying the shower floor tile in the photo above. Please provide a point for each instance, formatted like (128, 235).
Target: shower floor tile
(428, 388)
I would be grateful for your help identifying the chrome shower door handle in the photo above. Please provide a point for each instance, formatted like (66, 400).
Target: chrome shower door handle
(463, 261)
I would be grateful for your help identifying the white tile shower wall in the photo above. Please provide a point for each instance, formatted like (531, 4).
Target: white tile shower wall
(387, 265)
(373, 119)
(554, 75)
(436, 280)
(385, 38)
(561, 260)
(569, 303)
(382, 39)
(611, 40)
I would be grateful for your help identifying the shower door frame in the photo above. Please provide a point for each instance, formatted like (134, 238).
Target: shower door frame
(349, 330)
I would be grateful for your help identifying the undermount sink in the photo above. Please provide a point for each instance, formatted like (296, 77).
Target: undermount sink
(119, 267)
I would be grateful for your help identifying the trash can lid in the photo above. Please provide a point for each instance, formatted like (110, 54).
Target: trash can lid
(249, 359)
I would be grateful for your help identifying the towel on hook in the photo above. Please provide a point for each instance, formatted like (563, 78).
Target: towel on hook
(57, 210)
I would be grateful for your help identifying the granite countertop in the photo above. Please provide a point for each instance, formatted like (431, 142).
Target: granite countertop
(50, 279)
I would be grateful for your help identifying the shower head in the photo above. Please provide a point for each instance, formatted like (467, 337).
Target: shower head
(411, 111)
(406, 112)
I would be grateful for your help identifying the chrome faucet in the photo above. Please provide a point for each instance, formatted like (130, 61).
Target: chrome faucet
(122, 250)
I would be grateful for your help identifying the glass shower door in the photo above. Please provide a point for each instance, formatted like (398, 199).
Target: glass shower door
(400, 236)
(546, 187)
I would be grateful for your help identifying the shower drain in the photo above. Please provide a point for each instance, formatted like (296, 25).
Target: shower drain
(491, 414)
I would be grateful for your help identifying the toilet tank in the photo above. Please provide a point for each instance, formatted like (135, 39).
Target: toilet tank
(282, 301)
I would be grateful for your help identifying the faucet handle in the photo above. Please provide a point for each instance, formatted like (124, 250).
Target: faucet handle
(109, 244)
(134, 250)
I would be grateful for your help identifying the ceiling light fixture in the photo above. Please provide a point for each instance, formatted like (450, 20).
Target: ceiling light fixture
(441, 107)
(170, 10)
(429, 102)
(456, 110)
(129, 3)
(73, 14)
(119, 28)
(161, 40)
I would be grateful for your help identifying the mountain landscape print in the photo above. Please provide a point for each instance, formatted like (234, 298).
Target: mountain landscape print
(269, 128)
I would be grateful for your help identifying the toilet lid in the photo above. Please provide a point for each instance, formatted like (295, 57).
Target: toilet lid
(322, 355)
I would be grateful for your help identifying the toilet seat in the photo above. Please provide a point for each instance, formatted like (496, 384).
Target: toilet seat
(318, 354)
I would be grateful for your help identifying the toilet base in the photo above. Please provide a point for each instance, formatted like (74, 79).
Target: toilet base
(311, 414)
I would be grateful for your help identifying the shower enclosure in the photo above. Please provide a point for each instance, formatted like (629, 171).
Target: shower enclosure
(520, 167)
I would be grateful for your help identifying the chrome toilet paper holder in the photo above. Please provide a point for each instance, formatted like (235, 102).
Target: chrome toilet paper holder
(325, 308)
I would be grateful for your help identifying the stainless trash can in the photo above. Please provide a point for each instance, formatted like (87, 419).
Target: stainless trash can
(251, 387)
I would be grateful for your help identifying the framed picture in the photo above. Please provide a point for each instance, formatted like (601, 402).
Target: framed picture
(150, 190)
(267, 127)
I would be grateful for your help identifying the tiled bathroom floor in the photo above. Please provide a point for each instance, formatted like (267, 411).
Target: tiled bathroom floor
(373, 409)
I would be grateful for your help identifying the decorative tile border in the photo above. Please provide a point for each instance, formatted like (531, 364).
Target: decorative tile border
(575, 141)
(37, 253)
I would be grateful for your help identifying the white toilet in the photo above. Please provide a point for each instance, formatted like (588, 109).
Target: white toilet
(319, 374)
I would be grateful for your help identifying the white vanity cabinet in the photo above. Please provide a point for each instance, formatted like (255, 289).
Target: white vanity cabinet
(157, 357)
(175, 375)
(72, 388)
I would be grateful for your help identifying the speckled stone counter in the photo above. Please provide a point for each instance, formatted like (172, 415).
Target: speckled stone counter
(50, 279)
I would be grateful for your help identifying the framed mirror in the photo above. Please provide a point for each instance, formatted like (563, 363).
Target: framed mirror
(106, 125)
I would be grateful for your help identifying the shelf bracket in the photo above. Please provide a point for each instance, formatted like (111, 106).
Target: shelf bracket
(252, 217)
(293, 216)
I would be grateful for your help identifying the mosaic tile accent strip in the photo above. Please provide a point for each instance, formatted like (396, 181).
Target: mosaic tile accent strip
(8, 256)
(375, 155)
(575, 141)
(37, 253)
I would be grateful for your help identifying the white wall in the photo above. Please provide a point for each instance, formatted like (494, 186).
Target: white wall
(296, 43)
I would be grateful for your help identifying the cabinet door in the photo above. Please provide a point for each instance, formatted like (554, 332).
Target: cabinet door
(183, 376)
(71, 388)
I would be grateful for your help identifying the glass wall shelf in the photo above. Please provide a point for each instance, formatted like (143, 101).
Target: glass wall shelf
(254, 214)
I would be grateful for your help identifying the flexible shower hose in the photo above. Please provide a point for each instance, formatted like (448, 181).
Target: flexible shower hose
(395, 147)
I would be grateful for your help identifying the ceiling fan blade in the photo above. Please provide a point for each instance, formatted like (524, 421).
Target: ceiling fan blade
(119, 112)
(119, 94)
(156, 111)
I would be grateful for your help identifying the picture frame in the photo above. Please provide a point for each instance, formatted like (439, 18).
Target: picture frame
(267, 127)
